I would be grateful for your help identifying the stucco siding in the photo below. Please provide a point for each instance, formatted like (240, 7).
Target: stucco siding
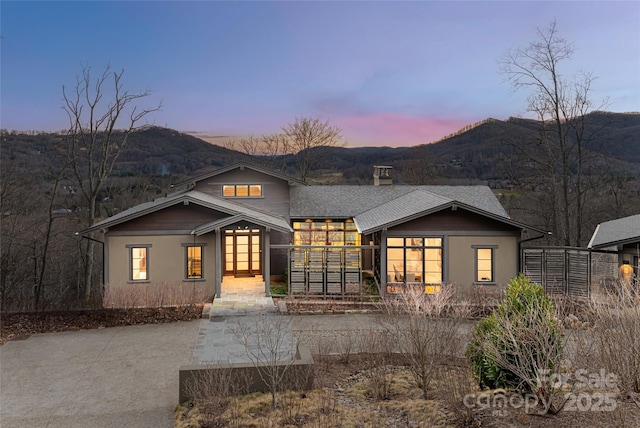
(460, 257)
(166, 259)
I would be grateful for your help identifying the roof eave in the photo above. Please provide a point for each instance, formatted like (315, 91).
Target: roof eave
(242, 165)
(462, 205)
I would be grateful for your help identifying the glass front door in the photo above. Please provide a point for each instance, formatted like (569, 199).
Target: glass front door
(242, 252)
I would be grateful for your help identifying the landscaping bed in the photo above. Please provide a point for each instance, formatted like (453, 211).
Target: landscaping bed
(347, 394)
(17, 326)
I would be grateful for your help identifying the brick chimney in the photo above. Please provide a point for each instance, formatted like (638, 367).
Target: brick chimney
(382, 176)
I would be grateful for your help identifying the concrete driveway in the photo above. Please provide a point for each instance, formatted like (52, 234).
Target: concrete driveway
(113, 377)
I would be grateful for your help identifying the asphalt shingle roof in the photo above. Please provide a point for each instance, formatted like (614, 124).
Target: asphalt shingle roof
(403, 207)
(619, 231)
(349, 201)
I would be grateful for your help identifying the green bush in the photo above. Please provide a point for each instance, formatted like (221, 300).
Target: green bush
(519, 339)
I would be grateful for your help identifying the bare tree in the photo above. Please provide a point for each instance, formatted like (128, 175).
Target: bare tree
(563, 165)
(270, 151)
(311, 140)
(97, 135)
(269, 345)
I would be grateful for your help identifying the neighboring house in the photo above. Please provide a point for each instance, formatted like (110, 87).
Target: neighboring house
(621, 235)
(244, 220)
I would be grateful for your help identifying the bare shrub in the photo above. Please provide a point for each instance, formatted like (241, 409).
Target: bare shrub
(215, 391)
(455, 384)
(481, 299)
(269, 345)
(295, 384)
(155, 294)
(425, 330)
(616, 336)
(376, 346)
(347, 346)
(322, 349)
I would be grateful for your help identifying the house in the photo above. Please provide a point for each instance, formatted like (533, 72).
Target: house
(623, 236)
(245, 220)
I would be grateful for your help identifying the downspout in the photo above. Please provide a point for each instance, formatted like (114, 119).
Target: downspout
(520, 241)
(104, 262)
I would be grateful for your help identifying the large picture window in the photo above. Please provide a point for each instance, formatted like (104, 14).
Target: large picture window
(138, 262)
(414, 260)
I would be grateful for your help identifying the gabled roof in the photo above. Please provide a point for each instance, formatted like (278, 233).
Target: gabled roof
(377, 207)
(242, 166)
(400, 209)
(621, 231)
(349, 201)
(233, 209)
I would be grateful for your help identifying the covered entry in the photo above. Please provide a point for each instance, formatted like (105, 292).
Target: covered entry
(242, 252)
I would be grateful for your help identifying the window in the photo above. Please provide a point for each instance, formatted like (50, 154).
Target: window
(325, 233)
(138, 262)
(242, 190)
(416, 260)
(484, 264)
(193, 262)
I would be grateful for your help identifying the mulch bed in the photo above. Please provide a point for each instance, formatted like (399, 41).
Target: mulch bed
(17, 326)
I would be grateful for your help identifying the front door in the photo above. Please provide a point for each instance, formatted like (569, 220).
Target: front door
(242, 252)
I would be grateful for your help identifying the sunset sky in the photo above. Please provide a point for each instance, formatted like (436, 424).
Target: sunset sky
(386, 73)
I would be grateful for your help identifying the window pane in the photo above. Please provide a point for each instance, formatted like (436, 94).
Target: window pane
(335, 235)
(433, 242)
(194, 262)
(228, 190)
(395, 264)
(352, 238)
(414, 242)
(242, 190)
(138, 264)
(395, 242)
(255, 190)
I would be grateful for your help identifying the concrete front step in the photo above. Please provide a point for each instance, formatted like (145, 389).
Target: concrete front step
(241, 296)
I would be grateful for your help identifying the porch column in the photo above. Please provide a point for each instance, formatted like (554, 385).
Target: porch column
(383, 262)
(266, 259)
(218, 275)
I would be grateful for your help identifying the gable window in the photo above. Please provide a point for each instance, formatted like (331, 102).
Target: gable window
(138, 262)
(194, 261)
(242, 190)
(414, 260)
(484, 263)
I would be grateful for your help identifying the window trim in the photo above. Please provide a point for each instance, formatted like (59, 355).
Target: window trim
(247, 185)
(493, 249)
(186, 247)
(130, 248)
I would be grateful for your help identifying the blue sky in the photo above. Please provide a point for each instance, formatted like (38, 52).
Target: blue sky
(386, 73)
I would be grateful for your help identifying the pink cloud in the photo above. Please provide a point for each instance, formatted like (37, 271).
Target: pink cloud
(389, 129)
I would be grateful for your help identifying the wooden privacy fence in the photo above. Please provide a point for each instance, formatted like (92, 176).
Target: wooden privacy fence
(561, 270)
